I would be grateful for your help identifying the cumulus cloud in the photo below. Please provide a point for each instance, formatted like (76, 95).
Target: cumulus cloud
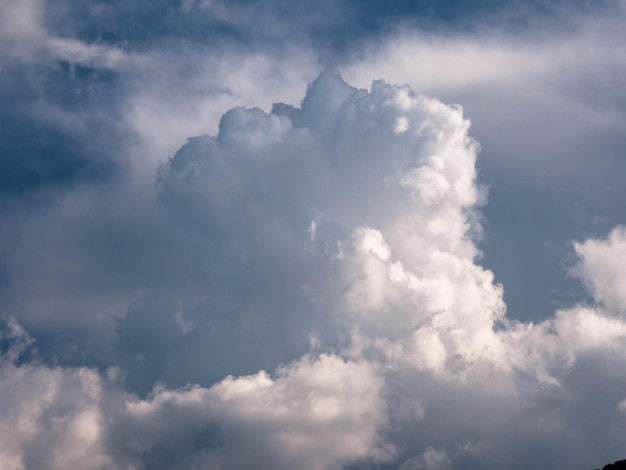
(601, 268)
(539, 93)
(303, 286)
(377, 222)
(252, 193)
(318, 412)
(339, 239)
(51, 417)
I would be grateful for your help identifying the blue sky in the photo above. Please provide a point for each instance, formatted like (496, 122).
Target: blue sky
(312, 235)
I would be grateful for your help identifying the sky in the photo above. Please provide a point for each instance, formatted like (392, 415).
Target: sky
(316, 235)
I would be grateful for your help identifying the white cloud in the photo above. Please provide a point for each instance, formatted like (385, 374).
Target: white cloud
(406, 288)
(412, 258)
(343, 227)
(316, 413)
(387, 275)
(602, 268)
(50, 417)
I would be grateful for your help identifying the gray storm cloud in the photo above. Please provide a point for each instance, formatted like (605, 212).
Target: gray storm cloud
(338, 317)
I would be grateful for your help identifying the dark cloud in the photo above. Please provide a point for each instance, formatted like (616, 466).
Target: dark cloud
(51, 138)
(331, 27)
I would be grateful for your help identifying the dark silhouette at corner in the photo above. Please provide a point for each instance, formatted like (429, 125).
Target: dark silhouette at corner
(619, 465)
